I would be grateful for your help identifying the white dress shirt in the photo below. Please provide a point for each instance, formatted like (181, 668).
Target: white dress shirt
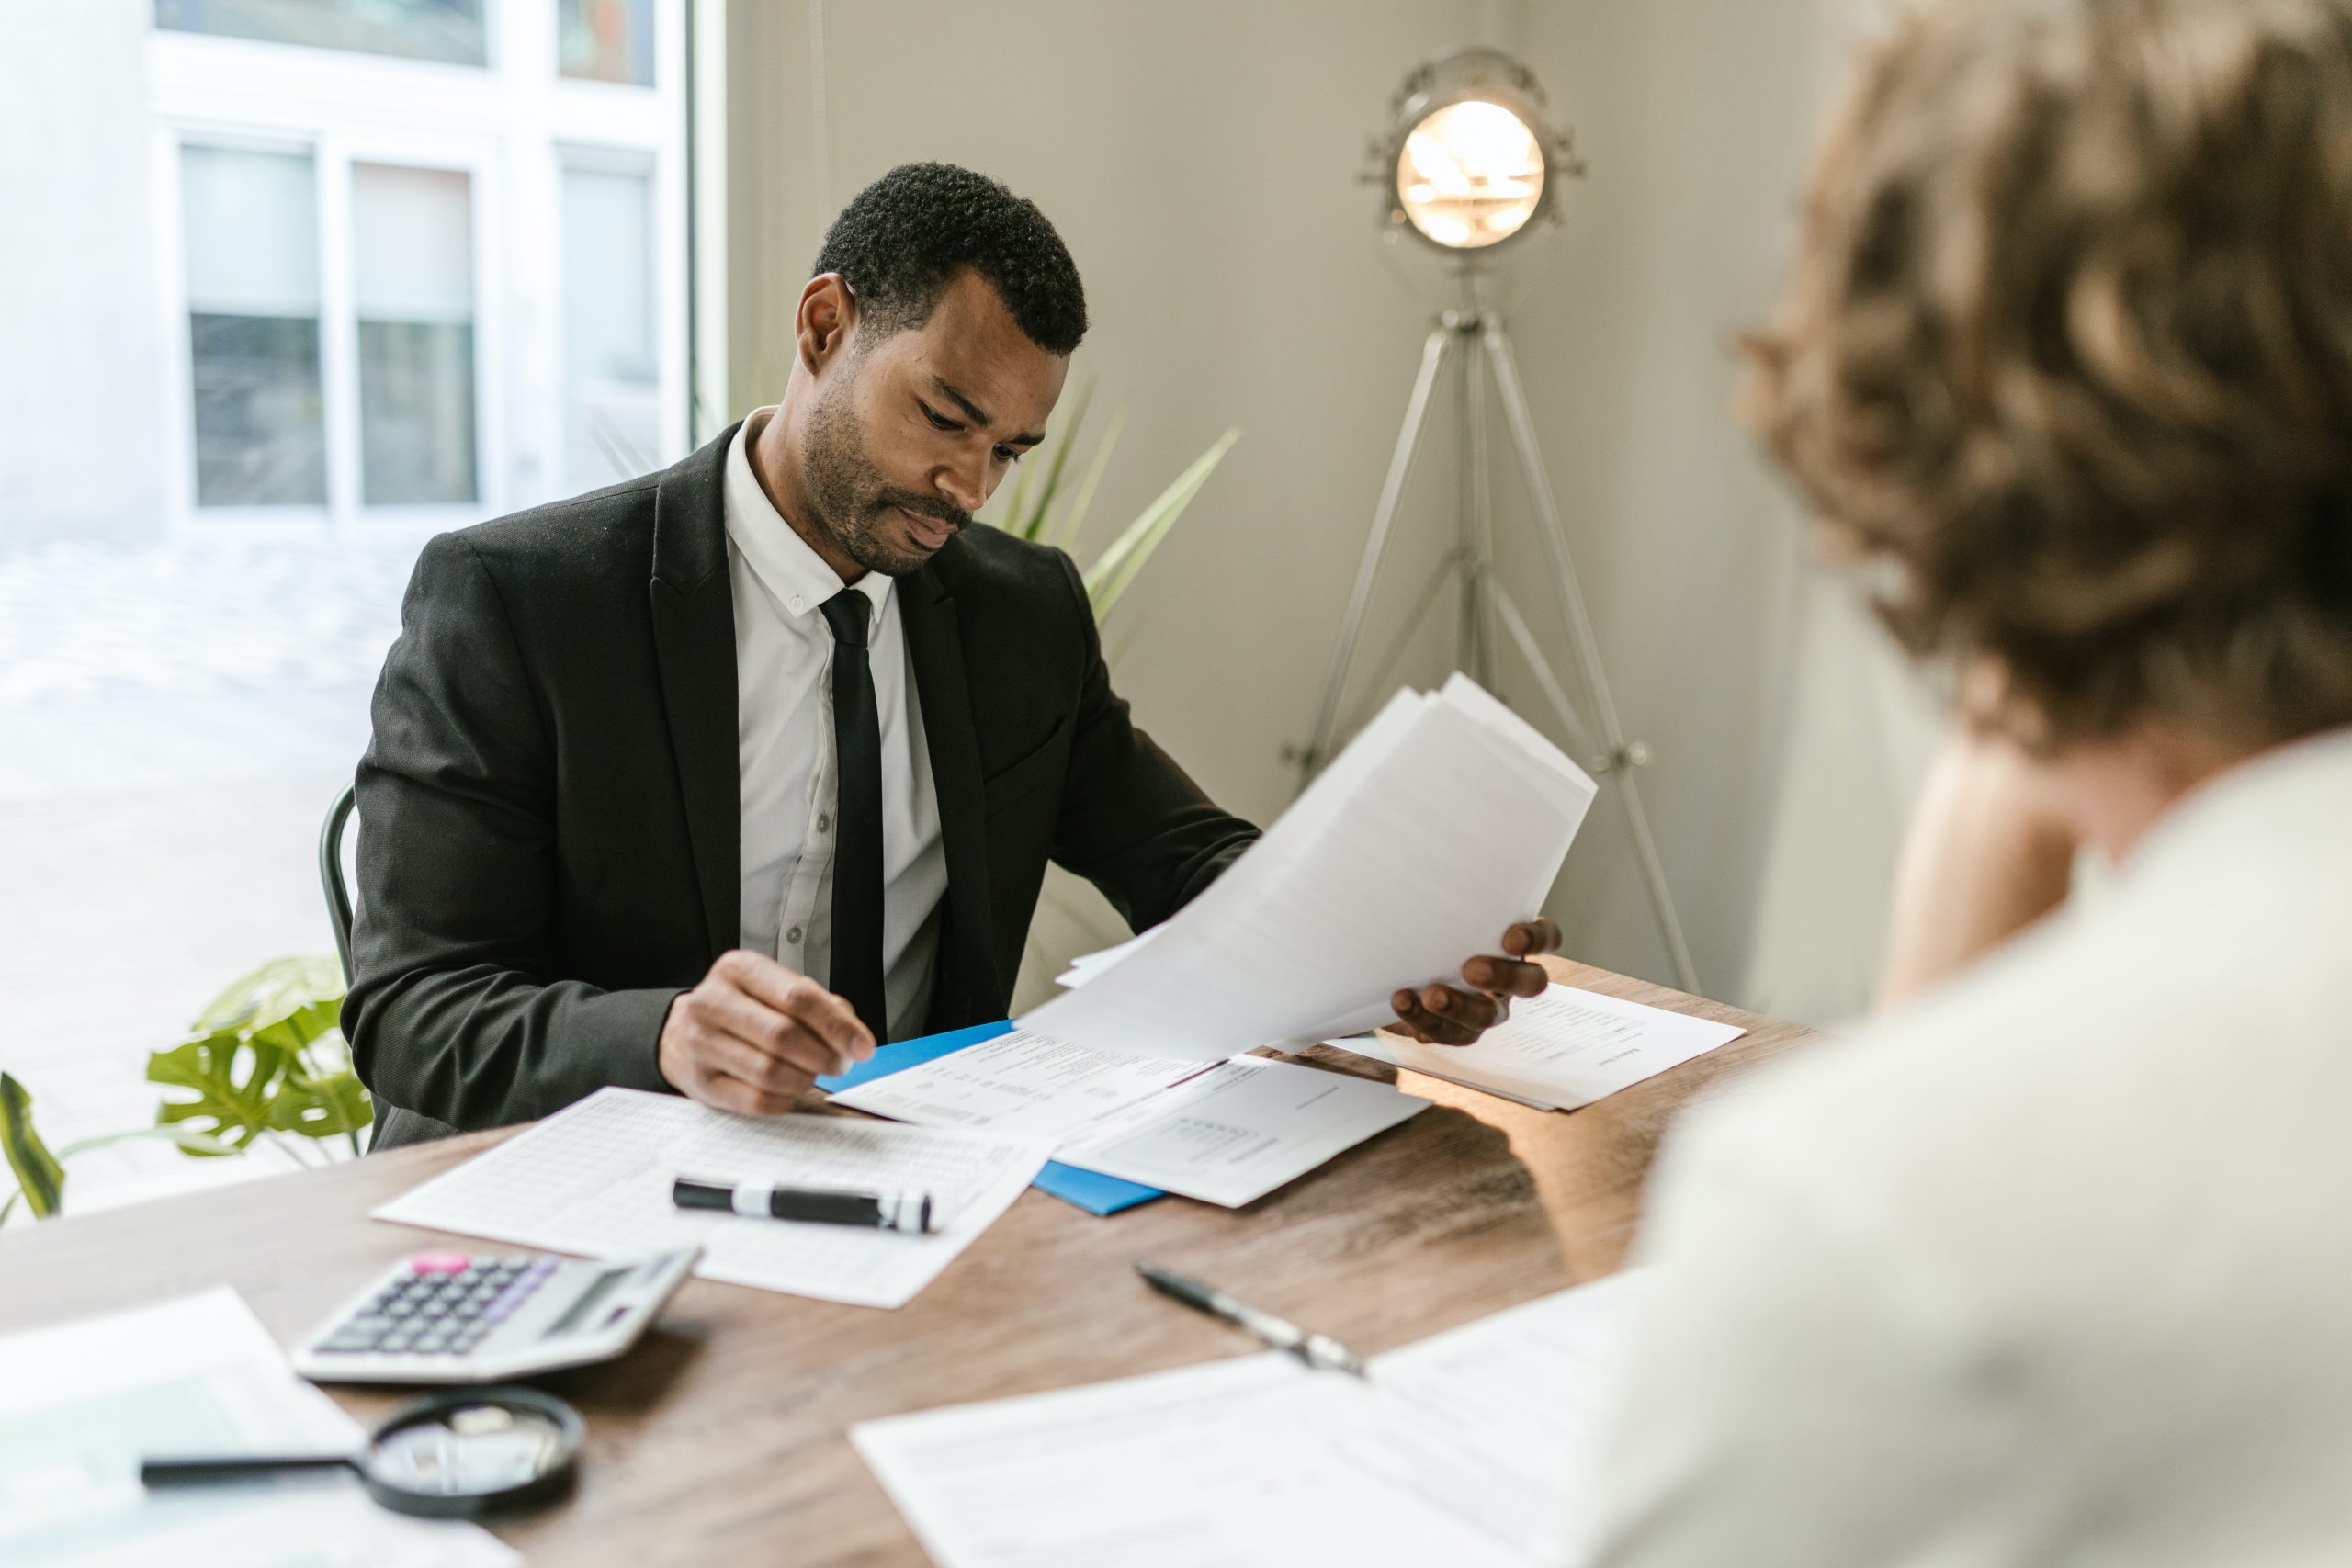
(2054, 1268)
(787, 773)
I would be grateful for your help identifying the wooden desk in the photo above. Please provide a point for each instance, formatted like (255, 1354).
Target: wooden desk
(723, 1437)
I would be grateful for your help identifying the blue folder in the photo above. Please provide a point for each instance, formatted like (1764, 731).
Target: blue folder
(1090, 1190)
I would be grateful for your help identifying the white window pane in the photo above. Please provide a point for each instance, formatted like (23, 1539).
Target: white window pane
(250, 222)
(606, 41)
(252, 232)
(611, 376)
(447, 30)
(412, 237)
(412, 286)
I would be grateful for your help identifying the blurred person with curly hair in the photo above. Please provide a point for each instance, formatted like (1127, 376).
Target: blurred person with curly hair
(2051, 1268)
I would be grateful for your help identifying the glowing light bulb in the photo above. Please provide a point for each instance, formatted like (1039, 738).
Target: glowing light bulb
(1470, 174)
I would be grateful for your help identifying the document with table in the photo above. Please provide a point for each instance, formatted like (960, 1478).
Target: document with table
(82, 1404)
(1561, 1050)
(1224, 1133)
(1468, 1449)
(594, 1180)
(1445, 820)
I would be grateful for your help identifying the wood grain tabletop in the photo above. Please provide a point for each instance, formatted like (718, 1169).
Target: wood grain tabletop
(723, 1437)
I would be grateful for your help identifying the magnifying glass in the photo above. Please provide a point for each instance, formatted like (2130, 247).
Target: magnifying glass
(448, 1456)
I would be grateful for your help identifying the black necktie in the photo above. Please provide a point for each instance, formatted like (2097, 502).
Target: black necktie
(858, 815)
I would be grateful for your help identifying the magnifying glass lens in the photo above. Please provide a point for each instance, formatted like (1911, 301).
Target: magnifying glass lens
(469, 1451)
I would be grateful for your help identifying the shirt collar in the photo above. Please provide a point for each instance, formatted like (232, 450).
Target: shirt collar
(796, 575)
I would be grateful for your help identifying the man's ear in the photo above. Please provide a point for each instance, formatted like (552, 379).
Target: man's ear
(823, 323)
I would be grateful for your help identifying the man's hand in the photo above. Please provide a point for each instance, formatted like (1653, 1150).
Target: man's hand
(1447, 1015)
(755, 1035)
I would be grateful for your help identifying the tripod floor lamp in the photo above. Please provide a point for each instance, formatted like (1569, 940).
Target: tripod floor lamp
(1469, 165)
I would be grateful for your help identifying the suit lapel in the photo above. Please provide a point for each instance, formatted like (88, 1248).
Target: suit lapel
(693, 639)
(935, 648)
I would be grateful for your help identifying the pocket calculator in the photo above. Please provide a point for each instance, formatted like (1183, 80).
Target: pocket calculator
(457, 1317)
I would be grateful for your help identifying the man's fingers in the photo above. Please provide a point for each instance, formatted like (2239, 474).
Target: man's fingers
(1428, 1026)
(728, 1093)
(1505, 976)
(774, 1071)
(1528, 938)
(767, 1031)
(1475, 1010)
(825, 1014)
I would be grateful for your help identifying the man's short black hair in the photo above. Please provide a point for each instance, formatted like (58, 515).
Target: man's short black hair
(902, 239)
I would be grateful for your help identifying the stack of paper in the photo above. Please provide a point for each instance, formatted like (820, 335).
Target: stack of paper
(1469, 1450)
(1224, 1133)
(594, 1179)
(80, 1405)
(1561, 1050)
(1441, 824)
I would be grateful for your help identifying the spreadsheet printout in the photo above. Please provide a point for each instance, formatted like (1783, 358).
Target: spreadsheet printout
(594, 1180)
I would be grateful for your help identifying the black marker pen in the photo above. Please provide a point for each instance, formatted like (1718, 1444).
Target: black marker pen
(908, 1211)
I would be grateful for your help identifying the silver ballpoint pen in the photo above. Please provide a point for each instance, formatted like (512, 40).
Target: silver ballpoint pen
(1319, 1351)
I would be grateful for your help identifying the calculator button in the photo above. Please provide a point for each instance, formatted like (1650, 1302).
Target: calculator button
(438, 1262)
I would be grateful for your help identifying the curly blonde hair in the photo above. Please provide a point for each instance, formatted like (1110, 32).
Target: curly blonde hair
(2067, 357)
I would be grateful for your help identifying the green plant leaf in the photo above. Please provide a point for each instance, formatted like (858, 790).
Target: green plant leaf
(288, 1003)
(1035, 527)
(231, 1106)
(1108, 578)
(326, 1105)
(1064, 534)
(39, 1177)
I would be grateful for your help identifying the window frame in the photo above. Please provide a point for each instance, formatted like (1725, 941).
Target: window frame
(511, 126)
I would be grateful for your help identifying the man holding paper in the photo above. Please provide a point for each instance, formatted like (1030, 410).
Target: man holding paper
(710, 780)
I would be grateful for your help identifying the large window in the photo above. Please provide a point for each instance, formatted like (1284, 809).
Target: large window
(251, 246)
(412, 288)
(448, 30)
(612, 403)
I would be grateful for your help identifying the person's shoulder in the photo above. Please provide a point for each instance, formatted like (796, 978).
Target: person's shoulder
(604, 530)
(989, 562)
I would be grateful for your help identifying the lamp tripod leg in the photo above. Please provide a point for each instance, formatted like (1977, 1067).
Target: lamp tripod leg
(1383, 516)
(1622, 757)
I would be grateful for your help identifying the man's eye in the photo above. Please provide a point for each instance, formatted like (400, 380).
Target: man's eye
(938, 421)
(1008, 454)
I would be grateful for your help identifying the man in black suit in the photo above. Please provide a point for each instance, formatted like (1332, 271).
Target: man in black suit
(710, 781)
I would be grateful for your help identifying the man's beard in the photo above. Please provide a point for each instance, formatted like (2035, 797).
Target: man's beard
(852, 503)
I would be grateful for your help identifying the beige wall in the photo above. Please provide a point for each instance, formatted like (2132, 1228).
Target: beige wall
(1201, 161)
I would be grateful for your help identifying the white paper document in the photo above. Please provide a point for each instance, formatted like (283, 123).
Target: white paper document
(1226, 1133)
(1561, 1050)
(1233, 1134)
(1441, 824)
(82, 1404)
(1470, 1449)
(1017, 1083)
(594, 1180)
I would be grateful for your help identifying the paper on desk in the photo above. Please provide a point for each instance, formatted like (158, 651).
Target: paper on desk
(1560, 1050)
(1441, 824)
(1017, 1083)
(82, 1404)
(1233, 1134)
(1228, 1132)
(1471, 1448)
(594, 1179)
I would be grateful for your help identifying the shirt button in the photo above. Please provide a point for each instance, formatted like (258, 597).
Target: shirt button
(823, 821)
(799, 603)
(793, 935)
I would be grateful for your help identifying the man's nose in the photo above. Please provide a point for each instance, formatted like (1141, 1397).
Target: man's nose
(966, 483)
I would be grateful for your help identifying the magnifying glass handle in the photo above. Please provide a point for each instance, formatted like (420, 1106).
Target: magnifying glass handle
(196, 1472)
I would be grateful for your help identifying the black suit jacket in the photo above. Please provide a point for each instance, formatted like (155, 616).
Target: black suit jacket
(548, 820)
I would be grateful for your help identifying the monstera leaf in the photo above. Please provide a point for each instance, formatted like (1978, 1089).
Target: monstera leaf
(235, 1082)
(39, 1178)
(288, 1002)
(267, 1056)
